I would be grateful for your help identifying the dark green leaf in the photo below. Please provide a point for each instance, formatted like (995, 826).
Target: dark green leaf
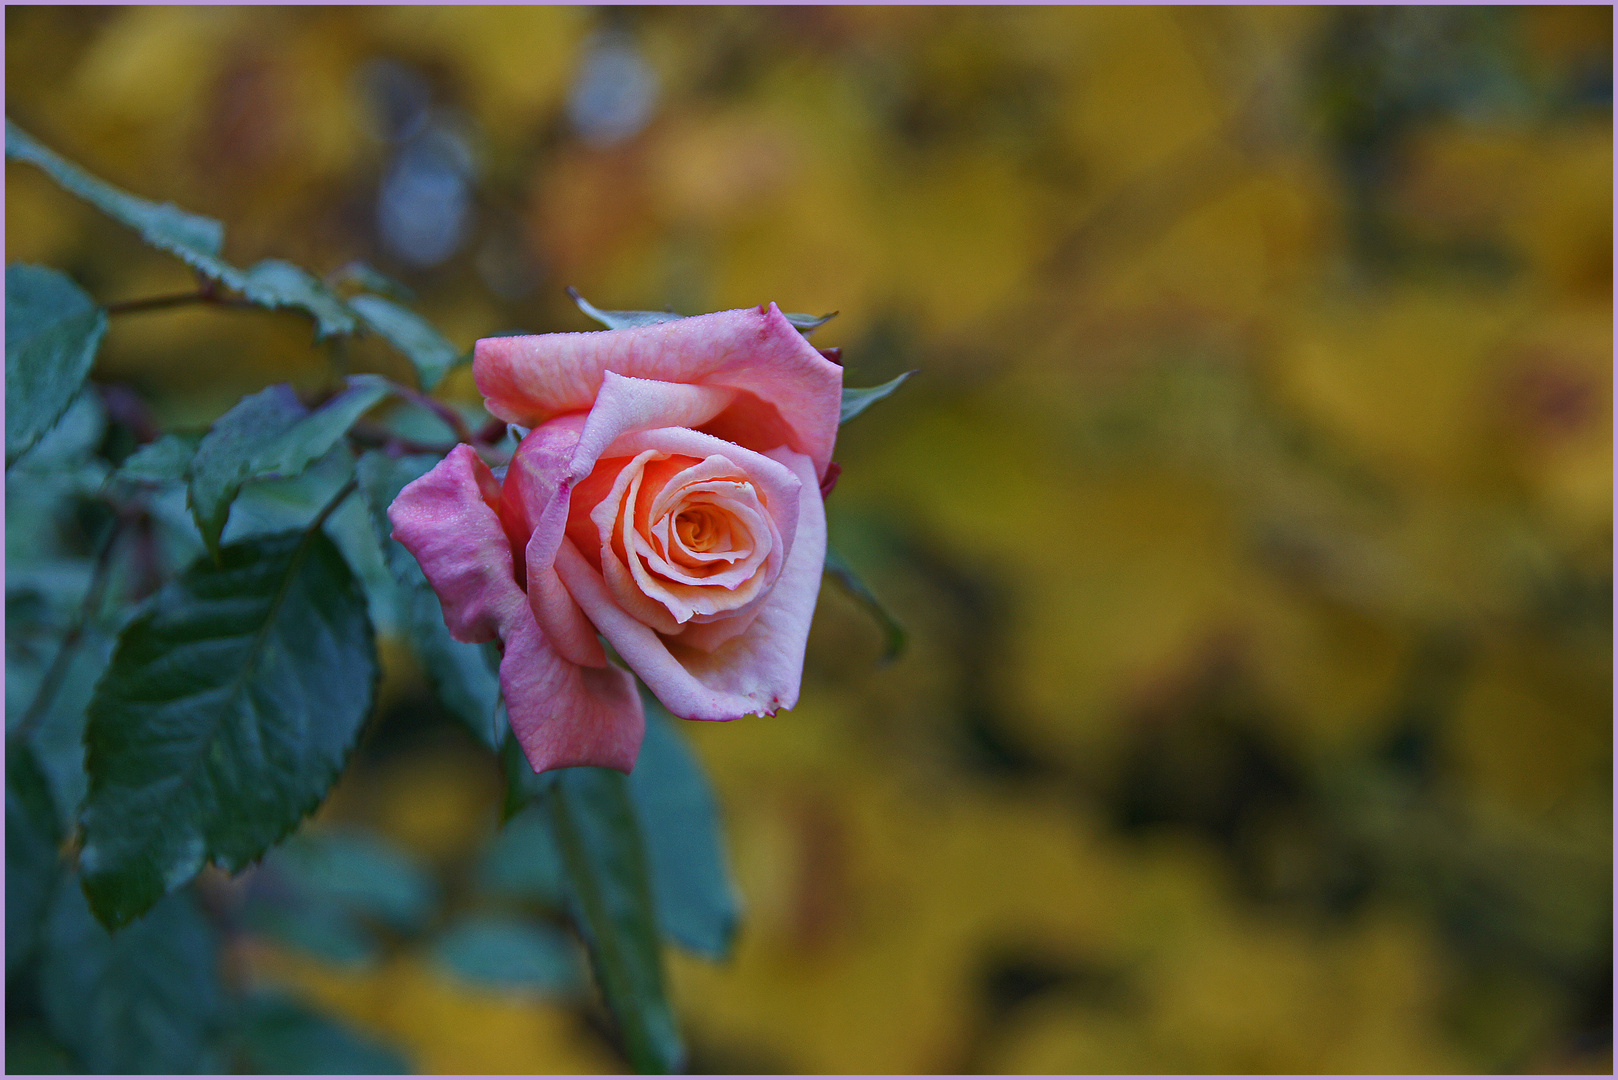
(228, 710)
(594, 819)
(318, 432)
(266, 434)
(165, 460)
(144, 1000)
(844, 575)
(808, 324)
(856, 401)
(502, 951)
(697, 905)
(415, 337)
(363, 275)
(31, 1051)
(53, 329)
(226, 456)
(275, 283)
(33, 833)
(522, 863)
(196, 239)
(281, 1036)
(361, 873)
(621, 320)
(466, 677)
(70, 445)
(320, 928)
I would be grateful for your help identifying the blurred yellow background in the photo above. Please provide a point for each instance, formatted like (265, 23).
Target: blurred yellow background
(1250, 515)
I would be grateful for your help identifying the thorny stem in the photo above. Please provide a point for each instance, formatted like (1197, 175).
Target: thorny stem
(51, 684)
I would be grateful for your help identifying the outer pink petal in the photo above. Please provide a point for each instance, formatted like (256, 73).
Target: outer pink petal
(787, 392)
(562, 714)
(443, 519)
(757, 672)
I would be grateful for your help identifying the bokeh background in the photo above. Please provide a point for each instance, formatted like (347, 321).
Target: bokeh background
(1250, 514)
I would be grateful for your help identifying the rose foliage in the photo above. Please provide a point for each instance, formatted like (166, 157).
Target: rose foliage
(191, 649)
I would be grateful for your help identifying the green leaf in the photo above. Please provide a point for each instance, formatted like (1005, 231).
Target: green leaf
(266, 434)
(359, 872)
(363, 275)
(283, 1037)
(320, 928)
(844, 575)
(594, 819)
(621, 320)
(697, 905)
(33, 834)
(506, 952)
(276, 283)
(856, 401)
(145, 1000)
(415, 337)
(321, 891)
(31, 1051)
(522, 862)
(165, 460)
(229, 452)
(228, 710)
(53, 330)
(70, 445)
(196, 239)
(319, 431)
(808, 324)
(465, 677)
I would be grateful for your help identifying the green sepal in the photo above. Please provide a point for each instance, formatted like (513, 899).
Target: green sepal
(808, 324)
(621, 320)
(857, 400)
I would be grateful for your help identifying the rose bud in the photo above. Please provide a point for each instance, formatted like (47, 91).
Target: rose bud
(668, 498)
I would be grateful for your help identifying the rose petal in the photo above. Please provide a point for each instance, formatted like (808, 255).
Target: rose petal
(562, 714)
(777, 485)
(787, 393)
(756, 672)
(446, 520)
(627, 404)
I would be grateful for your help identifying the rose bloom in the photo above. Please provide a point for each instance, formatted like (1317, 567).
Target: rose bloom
(668, 499)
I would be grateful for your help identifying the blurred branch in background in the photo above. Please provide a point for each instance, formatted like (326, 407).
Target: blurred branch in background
(1251, 521)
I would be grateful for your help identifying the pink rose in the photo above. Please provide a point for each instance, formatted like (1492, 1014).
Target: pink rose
(668, 499)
